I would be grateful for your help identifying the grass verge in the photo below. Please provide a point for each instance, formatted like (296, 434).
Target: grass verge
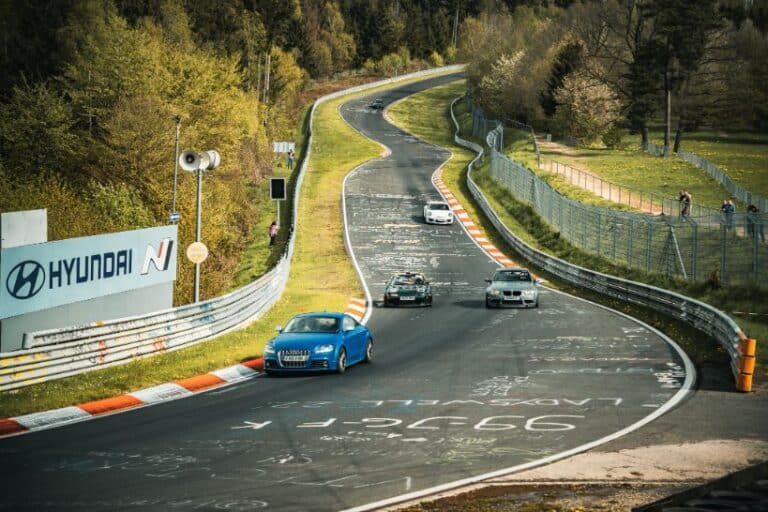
(417, 115)
(320, 251)
(741, 155)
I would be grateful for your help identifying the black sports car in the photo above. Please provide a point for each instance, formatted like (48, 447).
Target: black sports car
(408, 288)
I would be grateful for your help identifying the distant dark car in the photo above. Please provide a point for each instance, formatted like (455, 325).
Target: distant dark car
(377, 104)
(408, 288)
(318, 342)
(512, 287)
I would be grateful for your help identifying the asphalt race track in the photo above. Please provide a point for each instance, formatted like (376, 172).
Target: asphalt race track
(456, 391)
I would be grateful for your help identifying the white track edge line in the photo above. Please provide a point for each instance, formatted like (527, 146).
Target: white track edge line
(690, 375)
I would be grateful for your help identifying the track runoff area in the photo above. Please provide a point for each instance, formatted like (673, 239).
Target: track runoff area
(457, 393)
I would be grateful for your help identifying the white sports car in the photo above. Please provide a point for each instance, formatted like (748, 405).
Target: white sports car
(438, 212)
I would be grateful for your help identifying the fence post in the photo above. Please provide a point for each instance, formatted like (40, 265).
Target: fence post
(631, 238)
(695, 247)
(648, 248)
(599, 232)
(723, 254)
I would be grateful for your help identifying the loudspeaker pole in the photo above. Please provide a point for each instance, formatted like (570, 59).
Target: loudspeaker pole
(197, 230)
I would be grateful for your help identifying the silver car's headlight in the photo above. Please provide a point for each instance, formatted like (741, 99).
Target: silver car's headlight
(323, 349)
(493, 291)
(529, 293)
(269, 349)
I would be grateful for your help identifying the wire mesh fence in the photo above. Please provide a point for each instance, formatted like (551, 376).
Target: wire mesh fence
(704, 245)
(728, 248)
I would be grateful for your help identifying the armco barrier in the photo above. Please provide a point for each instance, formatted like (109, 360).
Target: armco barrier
(703, 317)
(58, 353)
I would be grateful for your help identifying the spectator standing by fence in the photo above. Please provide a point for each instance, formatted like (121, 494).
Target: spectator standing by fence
(685, 203)
(755, 223)
(290, 158)
(272, 232)
(728, 210)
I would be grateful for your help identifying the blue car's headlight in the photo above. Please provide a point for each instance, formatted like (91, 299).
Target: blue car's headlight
(323, 349)
(269, 349)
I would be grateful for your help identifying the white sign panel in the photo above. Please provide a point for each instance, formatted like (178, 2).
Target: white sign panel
(41, 276)
(283, 147)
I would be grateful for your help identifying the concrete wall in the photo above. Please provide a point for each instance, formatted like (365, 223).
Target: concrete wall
(130, 303)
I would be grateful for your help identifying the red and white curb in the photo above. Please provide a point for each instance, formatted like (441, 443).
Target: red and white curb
(356, 309)
(473, 229)
(149, 396)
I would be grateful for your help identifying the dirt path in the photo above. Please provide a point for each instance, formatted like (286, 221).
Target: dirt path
(583, 177)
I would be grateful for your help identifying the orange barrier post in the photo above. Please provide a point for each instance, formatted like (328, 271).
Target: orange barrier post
(746, 363)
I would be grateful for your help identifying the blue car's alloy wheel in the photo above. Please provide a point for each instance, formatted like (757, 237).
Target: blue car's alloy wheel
(369, 351)
(341, 362)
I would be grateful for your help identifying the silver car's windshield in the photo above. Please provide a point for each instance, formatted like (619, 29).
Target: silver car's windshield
(439, 206)
(513, 275)
(313, 324)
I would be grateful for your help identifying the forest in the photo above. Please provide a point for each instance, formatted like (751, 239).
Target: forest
(91, 90)
(595, 72)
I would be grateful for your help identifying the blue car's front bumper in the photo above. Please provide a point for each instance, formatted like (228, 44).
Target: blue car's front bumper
(316, 363)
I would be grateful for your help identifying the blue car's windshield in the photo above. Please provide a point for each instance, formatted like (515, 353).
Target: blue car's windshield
(512, 275)
(313, 324)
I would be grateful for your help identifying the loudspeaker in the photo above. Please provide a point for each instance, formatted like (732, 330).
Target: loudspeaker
(189, 161)
(215, 159)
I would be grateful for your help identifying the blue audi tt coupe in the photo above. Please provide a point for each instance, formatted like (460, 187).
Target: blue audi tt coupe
(318, 342)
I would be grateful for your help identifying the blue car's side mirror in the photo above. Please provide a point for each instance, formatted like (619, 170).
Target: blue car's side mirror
(279, 328)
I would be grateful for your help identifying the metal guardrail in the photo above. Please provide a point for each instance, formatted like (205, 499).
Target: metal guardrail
(703, 317)
(707, 245)
(57, 353)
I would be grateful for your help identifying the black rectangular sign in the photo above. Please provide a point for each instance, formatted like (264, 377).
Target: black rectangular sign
(277, 189)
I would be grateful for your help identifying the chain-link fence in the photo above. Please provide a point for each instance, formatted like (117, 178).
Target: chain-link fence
(733, 188)
(707, 244)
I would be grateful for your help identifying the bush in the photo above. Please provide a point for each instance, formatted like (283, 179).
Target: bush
(436, 60)
(586, 109)
(614, 138)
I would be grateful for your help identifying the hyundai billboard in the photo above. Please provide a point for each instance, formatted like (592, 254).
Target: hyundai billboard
(41, 276)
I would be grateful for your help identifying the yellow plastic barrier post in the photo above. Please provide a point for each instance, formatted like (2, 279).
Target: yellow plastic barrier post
(746, 363)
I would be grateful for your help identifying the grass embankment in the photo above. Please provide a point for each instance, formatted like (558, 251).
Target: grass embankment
(321, 278)
(417, 115)
(630, 168)
(741, 155)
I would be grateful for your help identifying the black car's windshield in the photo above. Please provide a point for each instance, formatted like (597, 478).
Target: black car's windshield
(313, 324)
(513, 275)
(408, 280)
(439, 206)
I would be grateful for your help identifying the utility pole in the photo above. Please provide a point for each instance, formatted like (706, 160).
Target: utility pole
(174, 215)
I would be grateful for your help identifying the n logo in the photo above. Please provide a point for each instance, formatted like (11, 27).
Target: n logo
(161, 259)
(25, 280)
